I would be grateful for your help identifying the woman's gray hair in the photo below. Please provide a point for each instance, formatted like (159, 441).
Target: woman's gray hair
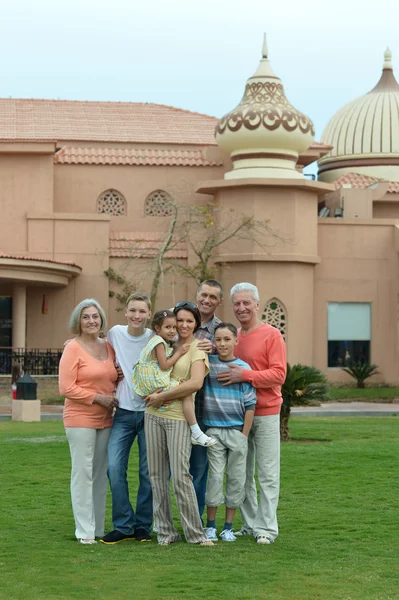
(74, 319)
(245, 287)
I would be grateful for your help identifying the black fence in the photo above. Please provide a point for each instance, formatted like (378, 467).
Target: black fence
(34, 361)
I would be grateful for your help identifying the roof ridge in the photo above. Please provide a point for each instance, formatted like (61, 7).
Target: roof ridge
(113, 102)
(39, 259)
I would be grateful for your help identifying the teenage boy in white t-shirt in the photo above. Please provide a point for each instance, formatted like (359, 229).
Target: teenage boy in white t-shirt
(128, 341)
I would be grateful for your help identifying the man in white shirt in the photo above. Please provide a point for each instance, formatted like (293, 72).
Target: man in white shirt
(128, 341)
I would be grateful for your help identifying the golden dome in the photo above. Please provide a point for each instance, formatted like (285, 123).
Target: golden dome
(264, 134)
(365, 132)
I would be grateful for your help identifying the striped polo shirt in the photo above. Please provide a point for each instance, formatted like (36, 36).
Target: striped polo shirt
(225, 406)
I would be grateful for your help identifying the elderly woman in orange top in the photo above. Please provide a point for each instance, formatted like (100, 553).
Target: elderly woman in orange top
(87, 378)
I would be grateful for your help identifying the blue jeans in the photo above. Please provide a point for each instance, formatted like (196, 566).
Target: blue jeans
(126, 427)
(199, 458)
(199, 472)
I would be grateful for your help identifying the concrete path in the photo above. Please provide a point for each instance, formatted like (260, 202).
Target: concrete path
(347, 409)
(327, 409)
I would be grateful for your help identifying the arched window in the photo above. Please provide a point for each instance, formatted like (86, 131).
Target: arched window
(112, 203)
(276, 315)
(158, 204)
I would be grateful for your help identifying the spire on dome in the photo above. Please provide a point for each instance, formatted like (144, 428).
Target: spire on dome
(387, 82)
(387, 59)
(265, 51)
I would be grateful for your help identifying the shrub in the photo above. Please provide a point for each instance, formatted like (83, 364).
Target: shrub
(302, 385)
(361, 371)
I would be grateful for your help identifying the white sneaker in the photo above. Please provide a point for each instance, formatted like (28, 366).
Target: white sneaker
(263, 539)
(242, 531)
(211, 533)
(227, 535)
(203, 440)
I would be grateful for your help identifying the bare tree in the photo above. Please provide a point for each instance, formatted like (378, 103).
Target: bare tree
(204, 229)
(210, 227)
(167, 245)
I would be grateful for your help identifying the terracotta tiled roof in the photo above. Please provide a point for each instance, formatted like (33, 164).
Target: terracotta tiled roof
(141, 245)
(103, 122)
(69, 155)
(73, 120)
(35, 258)
(360, 181)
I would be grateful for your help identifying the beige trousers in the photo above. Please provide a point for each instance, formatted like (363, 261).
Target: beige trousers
(230, 455)
(169, 444)
(89, 480)
(264, 447)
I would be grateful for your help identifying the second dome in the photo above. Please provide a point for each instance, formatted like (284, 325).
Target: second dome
(365, 133)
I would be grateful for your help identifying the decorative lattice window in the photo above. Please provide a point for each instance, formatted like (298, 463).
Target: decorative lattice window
(158, 204)
(276, 315)
(112, 203)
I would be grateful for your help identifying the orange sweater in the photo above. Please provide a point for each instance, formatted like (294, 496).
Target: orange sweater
(81, 377)
(264, 350)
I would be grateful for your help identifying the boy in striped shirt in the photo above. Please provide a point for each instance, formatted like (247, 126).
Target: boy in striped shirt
(228, 412)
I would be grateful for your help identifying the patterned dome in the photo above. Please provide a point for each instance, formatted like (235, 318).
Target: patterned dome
(365, 133)
(264, 134)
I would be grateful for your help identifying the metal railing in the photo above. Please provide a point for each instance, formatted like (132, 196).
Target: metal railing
(35, 361)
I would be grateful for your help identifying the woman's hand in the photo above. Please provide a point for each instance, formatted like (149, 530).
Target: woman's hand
(155, 399)
(205, 345)
(106, 401)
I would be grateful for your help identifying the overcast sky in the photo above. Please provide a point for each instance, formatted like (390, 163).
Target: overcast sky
(194, 55)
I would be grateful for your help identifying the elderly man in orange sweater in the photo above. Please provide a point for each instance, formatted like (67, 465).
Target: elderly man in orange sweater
(263, 348)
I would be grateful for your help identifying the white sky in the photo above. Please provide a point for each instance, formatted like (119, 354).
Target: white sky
(194, 54)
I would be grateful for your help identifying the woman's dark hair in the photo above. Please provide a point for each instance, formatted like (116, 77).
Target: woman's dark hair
(160, 316)
(191, 308)
(228, 326)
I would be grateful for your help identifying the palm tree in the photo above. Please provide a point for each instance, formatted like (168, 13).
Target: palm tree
(361, 371)
(302, 385)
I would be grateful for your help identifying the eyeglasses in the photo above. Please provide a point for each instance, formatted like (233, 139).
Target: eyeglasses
(186, 305)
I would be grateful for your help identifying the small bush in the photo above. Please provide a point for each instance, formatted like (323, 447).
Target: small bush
(303, 386)
(361, 371)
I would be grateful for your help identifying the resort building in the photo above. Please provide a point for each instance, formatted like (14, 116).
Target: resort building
(90, 187)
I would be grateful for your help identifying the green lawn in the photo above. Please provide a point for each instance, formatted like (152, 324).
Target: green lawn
(366, 394)
(339, 534)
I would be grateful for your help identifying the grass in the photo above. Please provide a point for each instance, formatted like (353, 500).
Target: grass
(368, 394)
(387, 394)
(54, 400)
(339, 537)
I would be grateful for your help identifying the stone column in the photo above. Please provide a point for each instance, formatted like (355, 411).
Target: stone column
(19, 315)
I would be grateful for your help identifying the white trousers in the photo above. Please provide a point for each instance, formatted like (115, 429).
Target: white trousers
(89, 480)
(264, 447)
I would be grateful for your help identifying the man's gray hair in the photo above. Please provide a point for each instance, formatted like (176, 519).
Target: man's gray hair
(74, 319)
(245, 287)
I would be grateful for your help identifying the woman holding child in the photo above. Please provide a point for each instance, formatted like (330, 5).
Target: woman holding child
(169, 438)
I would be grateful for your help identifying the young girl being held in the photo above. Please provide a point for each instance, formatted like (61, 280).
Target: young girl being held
(154, 367)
